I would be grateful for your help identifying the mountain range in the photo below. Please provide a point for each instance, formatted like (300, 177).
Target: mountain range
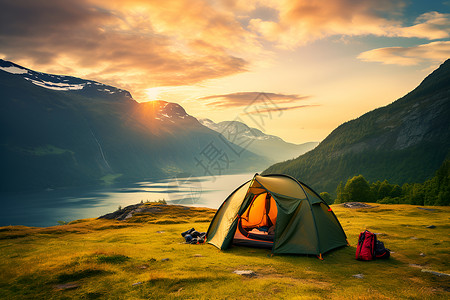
(58, 131)
(405, 141)
(272, 147)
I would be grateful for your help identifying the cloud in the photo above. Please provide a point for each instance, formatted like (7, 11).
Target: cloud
(304, 21)
(140, 44)
(278, 109)
(431, 26)
(133, 44)
(434, 52)
(244, 99)
(256, 102)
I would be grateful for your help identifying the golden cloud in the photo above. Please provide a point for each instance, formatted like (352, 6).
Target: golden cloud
(278, 109)
(303, 21)
(434, 52)
(431, 26)
(140, 44)
(147, 43)
(243, 99)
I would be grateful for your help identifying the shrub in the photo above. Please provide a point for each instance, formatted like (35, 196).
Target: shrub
(326, 197)
(357, 189)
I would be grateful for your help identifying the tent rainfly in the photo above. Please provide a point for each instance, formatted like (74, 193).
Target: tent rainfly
(278, 212)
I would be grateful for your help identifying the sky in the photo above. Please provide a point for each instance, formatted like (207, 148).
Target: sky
(293, 68)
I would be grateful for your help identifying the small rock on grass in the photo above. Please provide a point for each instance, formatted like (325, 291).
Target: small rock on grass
(165, 259)
(378, 234)
(136, 283)
(198, 255)
(359, 276)
(247, 273)
(431, 226)
(422, 254)
(67, 286)
(435, 273)
(424, 208)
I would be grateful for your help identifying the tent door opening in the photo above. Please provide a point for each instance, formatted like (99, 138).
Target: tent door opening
(256, 226)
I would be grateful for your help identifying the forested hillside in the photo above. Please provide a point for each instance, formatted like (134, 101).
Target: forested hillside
(404, 142)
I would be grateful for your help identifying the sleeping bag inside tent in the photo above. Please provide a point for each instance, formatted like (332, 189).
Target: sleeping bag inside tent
(277, 212)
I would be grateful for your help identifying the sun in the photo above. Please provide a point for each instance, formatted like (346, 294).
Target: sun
(153, 93)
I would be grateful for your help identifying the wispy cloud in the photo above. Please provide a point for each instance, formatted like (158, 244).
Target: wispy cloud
(278, 109)
(243, 99)
(434, 52)
(431, 26)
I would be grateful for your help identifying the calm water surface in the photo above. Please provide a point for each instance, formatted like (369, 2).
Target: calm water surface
(48, 207)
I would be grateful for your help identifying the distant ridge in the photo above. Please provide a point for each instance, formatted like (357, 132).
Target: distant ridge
(405, 141)
(272, 147)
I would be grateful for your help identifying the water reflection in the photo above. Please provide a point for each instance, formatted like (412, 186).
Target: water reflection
(46, 208)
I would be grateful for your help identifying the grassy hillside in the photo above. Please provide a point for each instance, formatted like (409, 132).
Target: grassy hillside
(100, 259)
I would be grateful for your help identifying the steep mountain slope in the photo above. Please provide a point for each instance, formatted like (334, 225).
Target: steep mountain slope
(405, 141)
(270, 146)
(64, 131)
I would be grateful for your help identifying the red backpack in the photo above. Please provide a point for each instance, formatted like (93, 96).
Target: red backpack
(366, 246)
(370, 248)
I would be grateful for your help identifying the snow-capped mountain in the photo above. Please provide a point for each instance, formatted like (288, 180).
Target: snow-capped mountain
(58, 131)
(270, 146)
(233, 128)
(170, 111)
(62, 82)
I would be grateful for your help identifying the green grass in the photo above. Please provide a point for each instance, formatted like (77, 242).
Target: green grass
(105, 258)
(112, 258)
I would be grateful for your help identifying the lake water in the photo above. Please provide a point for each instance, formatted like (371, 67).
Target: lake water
(48, 207)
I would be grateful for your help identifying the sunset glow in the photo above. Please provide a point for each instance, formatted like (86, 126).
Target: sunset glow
(153, 93)
(322, 62)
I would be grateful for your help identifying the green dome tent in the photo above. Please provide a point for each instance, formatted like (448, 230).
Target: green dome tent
(277, 212)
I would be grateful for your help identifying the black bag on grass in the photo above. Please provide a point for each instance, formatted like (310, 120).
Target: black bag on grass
(381, 251)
